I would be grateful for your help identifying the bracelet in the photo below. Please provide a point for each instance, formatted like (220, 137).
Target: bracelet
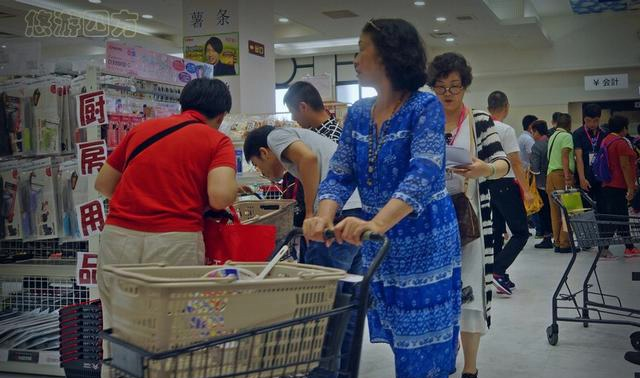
(493, 170)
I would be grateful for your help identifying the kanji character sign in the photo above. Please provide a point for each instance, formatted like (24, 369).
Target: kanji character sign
(91, 156)
(86, 269)
(91, 110)
(91, 218)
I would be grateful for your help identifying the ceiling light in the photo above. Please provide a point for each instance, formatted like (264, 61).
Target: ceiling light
(147, 16)
(95, 1)
(450, 39)
(441, 19)
(283, 20)
(4, 46)
(436, 30)
(419, 3)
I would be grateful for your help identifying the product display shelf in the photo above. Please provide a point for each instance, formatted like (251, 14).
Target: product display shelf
(44, 282)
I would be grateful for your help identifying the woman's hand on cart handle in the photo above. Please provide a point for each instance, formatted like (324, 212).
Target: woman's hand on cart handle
(351, 230)
(314, 229)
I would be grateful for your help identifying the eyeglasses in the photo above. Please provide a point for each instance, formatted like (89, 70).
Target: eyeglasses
(454, 89)
(370, 22)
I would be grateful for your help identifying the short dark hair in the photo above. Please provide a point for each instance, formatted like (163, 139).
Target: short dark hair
(618, 123)
(303, 91)
(591, 111)
(402, 52)
(211, 97)
(443, 65)
(554, 117)
(564, 121)
(497, 100)
(256, 140)
(540, 127)
(215, 43)
(527, 121)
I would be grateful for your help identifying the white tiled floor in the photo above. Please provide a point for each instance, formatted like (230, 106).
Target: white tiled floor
(517, 347)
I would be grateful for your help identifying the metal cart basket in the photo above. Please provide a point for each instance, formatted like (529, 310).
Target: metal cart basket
(588, 229)
(251, 329)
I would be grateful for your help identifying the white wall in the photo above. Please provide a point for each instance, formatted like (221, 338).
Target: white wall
(257, 74)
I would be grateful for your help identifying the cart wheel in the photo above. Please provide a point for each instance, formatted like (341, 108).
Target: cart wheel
(635, 340)
(552, 335)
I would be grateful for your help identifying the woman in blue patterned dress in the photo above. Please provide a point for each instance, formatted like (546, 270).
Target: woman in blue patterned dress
(393, 151)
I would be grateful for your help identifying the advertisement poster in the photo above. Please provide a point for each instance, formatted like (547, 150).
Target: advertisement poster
(140, 63)
(220, 50)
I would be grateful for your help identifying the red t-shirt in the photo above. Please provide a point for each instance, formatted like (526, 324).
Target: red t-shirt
(617, 147)
(164, 189)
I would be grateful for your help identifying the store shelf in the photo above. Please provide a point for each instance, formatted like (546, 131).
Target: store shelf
(31, 362)
(33, 268)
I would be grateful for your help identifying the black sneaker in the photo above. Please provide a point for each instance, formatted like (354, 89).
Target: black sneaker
(545, 244)
(509, 282)
(562, 250)
(539, 236)
(501, 284)
(469, 375)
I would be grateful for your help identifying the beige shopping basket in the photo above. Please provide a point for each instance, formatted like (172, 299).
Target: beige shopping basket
(159, 308)
(272, 212)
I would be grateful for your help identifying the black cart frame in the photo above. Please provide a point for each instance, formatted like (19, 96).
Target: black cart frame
(585, 230)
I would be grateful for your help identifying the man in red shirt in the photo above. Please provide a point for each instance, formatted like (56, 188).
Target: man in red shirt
(617, 192)
(159, 187)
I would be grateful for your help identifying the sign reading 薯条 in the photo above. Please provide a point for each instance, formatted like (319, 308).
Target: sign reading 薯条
(606, 82)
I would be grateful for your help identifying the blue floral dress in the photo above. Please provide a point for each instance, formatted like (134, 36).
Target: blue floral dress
(416, 291)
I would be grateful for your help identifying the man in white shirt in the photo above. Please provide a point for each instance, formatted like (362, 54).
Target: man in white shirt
(507, 204)
(526, 141)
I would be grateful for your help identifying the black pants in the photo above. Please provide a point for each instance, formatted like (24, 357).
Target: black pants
(507, 206)
(544, 215)
(614, 202)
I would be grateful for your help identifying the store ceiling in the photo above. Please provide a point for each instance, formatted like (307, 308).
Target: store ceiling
(511, 23)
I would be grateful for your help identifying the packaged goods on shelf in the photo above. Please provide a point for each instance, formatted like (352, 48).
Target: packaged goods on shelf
(38, 200)
(72, 190)
(11, 209)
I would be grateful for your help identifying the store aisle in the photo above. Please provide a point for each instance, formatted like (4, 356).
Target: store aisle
(517, 346)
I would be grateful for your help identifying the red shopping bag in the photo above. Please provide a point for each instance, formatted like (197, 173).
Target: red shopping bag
(237, 242)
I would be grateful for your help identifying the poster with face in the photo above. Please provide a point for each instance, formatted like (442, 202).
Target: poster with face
(220, 50)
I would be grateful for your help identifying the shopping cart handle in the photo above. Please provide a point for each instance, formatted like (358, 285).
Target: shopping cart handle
(366, 236)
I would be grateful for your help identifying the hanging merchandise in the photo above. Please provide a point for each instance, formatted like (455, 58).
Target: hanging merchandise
(5, 127)
(45, 100)
(73, 190)
(10, 210)
(38, 200)
(13, 104)
(66, 135)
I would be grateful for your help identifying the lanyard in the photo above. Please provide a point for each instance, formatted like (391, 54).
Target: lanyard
(463, 115)
(594, 141)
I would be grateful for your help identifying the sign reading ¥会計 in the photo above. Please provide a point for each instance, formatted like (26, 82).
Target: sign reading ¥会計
(605, 82)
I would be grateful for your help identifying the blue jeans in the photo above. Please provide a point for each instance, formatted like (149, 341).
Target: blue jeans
(340, 256)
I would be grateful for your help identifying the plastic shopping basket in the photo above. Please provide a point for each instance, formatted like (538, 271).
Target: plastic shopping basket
(286, 348)
(274, 212)
(159, 308)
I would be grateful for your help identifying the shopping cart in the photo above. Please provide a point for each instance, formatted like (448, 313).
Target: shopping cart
(290, 348)
(588, 229)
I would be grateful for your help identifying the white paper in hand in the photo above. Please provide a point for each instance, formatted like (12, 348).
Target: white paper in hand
(457, 156)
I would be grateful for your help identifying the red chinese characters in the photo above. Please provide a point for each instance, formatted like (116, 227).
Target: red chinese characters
(91, 109)
(86, 269)
(91, 156)
(91, 218)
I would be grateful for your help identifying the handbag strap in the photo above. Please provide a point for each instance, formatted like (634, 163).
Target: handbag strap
(154, 138)
(472, 144)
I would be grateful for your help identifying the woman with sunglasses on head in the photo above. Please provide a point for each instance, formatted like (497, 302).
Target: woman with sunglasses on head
(393, 151)
(474, 131)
